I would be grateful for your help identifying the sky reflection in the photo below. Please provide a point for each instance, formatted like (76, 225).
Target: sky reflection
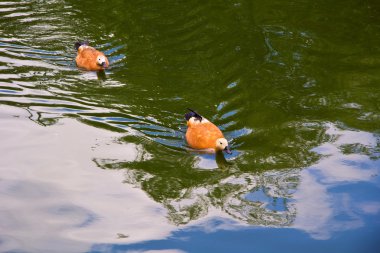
(319, 207)
(55, 197)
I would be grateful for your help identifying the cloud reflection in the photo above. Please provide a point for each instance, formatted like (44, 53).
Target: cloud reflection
(318, 208)
(53, 196)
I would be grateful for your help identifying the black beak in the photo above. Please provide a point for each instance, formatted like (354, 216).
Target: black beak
(104, 64)
(227, 150)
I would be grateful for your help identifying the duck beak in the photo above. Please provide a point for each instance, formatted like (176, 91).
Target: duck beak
(227, 150)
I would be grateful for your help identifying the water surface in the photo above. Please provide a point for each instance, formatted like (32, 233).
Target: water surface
(98, 163)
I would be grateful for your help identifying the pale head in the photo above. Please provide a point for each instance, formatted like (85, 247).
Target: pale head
(222, 145)
(101, 61)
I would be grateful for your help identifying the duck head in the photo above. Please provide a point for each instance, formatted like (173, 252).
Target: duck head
(222, 145)
(101, 61)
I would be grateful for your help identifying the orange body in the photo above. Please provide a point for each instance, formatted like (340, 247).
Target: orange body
(202, 135)
(87, 58)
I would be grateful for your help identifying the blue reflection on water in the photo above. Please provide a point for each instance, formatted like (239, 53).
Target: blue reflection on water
(8, 91)
(271, 203)
(256, 240)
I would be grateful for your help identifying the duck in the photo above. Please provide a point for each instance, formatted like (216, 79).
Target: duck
(201, 134)
(89, 58)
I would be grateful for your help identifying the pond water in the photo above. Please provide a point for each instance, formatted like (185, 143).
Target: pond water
(97, 162)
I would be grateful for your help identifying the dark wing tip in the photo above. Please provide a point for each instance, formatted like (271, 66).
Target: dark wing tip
(191, 114)
(80, 43)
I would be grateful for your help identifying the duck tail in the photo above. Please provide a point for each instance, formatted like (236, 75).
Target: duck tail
(191, 114)
(80, 43)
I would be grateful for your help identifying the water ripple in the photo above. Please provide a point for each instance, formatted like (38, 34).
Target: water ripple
(161, 64)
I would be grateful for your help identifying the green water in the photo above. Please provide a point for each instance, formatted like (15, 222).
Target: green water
(294, 85)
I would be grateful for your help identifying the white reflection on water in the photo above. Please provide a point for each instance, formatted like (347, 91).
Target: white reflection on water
(318, 209)
(55, 199)
(156, 251)
(313, 204)
(29, 63)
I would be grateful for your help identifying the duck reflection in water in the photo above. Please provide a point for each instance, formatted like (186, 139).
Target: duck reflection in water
(207, 160)
(101, 75)
(222, 162)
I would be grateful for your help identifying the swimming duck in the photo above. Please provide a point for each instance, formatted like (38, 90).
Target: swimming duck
(204, 135)
(89, 58)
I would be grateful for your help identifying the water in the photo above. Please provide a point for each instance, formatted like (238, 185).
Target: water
(98, 163)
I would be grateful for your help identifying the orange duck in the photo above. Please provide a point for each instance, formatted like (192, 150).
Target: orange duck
(204, 135)
(89, 58)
